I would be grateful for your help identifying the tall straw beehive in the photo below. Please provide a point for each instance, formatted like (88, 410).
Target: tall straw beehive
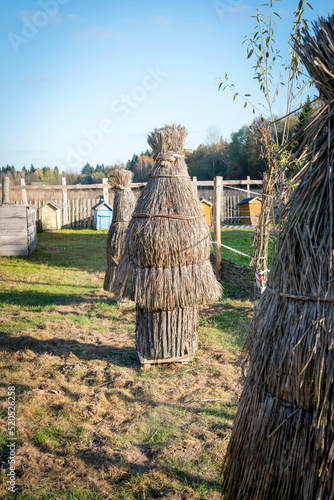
(123, 208)
(166, 268)
(282, 444)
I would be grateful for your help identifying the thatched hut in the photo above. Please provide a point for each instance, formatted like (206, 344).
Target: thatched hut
(282, 444)
(124, 205)
(166, 268)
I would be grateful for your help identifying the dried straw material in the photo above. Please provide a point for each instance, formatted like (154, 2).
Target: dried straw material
(239, 275)
(124, 203)
(282, 444)
(166, 264)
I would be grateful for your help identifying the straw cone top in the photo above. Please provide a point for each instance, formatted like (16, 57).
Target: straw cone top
(120, 178)
(166, 264)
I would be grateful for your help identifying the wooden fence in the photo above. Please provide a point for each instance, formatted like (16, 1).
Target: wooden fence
(77, 201)
(80, 213)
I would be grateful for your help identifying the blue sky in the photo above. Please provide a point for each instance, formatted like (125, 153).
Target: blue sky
(88, 80)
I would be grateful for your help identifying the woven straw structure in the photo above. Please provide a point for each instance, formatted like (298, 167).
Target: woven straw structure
(124, 204)
(166, 263)
(282, 444)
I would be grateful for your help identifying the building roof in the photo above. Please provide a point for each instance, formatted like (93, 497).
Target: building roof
(203, 200)
(100, 204)
(249, 200)
(53, 204)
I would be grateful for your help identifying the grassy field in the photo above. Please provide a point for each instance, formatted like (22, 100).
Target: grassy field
(90, 423)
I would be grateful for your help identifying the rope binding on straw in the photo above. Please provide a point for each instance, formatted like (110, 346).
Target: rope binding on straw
(120, 187)
(183, 176)
(165, 159)
(299, 297)
(168, 216)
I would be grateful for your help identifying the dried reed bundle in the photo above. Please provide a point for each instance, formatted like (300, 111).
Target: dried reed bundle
(282, 444)
(239, 275)
(166, 268)
(124, 204)
(166, 264)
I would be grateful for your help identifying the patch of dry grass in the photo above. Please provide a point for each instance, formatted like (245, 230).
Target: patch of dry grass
(90, 422)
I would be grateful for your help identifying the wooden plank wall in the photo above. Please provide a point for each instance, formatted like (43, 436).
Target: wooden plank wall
(31, 223)
(13, 230)
(230, 210)
(80, 213)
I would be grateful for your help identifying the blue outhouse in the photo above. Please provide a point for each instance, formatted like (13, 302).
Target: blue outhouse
(102, 215)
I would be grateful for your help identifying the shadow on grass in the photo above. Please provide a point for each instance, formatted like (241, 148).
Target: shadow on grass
(33, 283)
(133, 471)
(32, 298)
(84, 250)
(60, 347)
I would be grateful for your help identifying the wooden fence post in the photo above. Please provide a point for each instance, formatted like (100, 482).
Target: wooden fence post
(105, 190)
(248, 187)
(195, 184)
(216, 224)
(65, 202)
(222, 202)
(5, 189)
(24, 192)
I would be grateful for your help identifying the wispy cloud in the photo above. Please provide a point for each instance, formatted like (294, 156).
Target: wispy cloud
(33, 151)
(27, 14)
(73, 17)
(98, 33)
(240, 10)
(53, 15)
(40, 81)
(162, 21)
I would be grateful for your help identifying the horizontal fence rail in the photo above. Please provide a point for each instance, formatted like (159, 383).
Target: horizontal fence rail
(78, 213)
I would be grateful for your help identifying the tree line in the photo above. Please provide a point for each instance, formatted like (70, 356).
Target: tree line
(234, 159)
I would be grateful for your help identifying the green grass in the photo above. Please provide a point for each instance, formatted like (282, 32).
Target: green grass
(70, 350)
(60, 269)
(242, 240)
(59, 435)
(228, 327)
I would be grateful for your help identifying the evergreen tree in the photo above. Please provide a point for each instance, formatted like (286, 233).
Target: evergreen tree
(305, 115)
(87, 169)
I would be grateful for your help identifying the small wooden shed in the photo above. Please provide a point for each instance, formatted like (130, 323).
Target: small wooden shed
(249, 210)
(102, 215)
(50, 216)
(207, 207)
(17, 229)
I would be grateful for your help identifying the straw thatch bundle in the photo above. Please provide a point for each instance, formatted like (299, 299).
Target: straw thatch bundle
(239, 275)
(282, 444)
(166, 265)
(124, 204)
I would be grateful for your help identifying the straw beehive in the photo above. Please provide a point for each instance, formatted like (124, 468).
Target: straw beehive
(282, 444)
(124, 204)
(166, 268)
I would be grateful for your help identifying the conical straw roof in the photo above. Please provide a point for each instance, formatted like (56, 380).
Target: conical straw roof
(282, 444)
(166, 264)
